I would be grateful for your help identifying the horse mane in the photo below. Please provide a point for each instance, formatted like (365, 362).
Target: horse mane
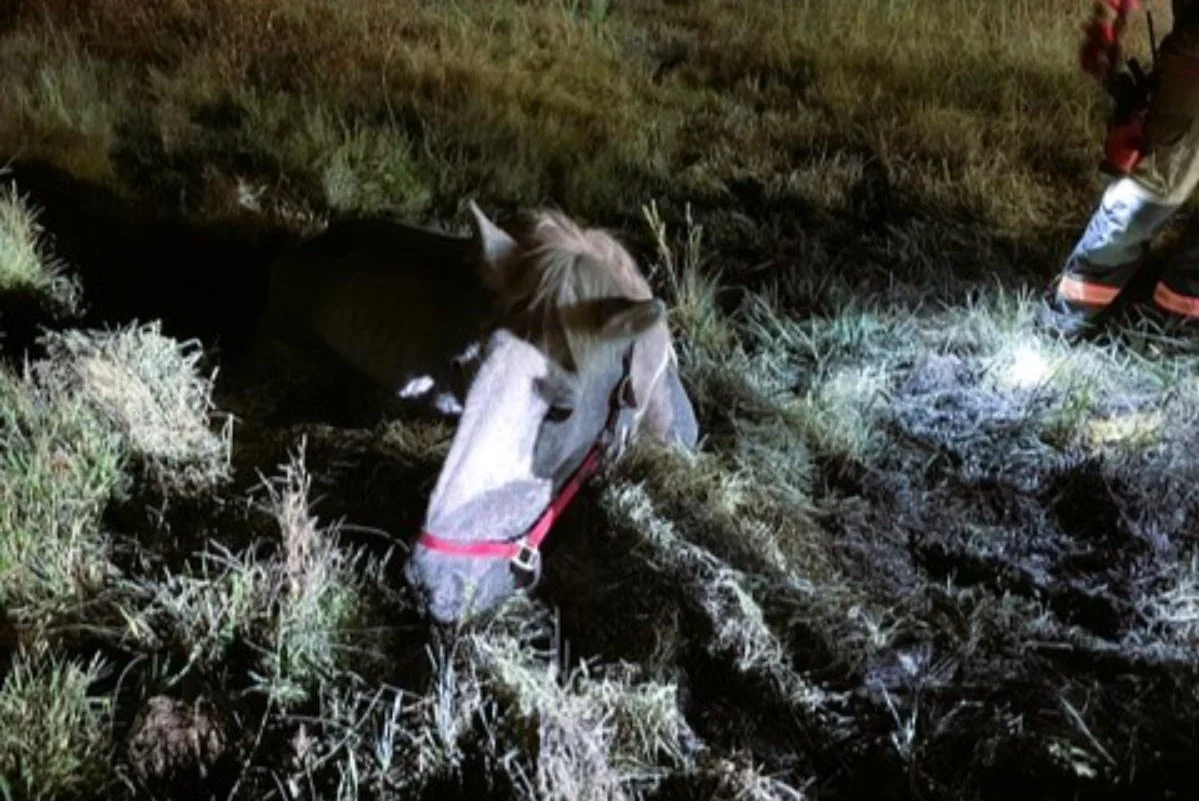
(563, 267)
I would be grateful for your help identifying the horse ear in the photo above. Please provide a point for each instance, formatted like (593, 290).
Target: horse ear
(633, 318)
(669, 414)
(496, 246)
(652, 353)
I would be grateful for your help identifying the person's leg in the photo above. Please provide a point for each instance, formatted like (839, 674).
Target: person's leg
(1109, 252)
(1171, 167)
(1177, 293)
(1136, 206)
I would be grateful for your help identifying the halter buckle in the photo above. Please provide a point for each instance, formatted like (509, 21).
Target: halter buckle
(527, 561)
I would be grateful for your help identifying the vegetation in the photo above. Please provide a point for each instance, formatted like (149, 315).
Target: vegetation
(923, 544)
(26, 268)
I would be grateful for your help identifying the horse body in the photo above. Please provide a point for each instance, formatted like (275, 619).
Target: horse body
(402, 306)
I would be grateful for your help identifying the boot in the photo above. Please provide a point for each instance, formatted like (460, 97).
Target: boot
(1069, 321)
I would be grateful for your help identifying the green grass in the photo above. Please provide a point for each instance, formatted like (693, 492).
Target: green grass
(55, 739)
(60, 102)
(25, 266)
(293, 609)
(60, 466)
(410, 107)
(358, 167)
(316, 591)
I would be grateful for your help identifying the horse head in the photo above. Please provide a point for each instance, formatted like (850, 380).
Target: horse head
(579, 364)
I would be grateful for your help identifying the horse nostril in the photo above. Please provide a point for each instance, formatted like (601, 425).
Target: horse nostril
(444, 630)
(442, 611)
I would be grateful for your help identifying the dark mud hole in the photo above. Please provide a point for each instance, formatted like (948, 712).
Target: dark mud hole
(1023, 568)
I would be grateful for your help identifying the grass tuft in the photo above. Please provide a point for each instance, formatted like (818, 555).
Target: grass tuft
(313, 593)
(292, 609)
(54, 741)
(60, 464)
(691, 290)
(26, 266)
(359, 168)
(591, 732)
(148, 387)
(59, 102)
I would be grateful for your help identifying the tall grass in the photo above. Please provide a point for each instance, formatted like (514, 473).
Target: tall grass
(408, 106)
(60, 466)
(54, 743)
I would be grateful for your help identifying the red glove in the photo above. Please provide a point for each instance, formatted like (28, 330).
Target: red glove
(1122, 148)
(1100, 50)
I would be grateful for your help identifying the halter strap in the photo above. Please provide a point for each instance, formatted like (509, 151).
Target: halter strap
(524, 552)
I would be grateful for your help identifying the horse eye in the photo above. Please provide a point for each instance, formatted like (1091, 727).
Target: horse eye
(558, 413)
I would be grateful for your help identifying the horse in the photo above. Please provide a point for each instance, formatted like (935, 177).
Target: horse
(373, 303)
(543, 339)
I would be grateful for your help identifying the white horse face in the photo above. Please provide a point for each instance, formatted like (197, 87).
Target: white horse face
(526, 427)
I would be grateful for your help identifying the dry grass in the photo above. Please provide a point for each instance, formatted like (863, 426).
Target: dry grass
(149, 388)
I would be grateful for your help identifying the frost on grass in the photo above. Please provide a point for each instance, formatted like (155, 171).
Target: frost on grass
(839, 417)
(203, 612)
(149, 388)
(588, 732)
(53, 737)
(827, 377)
(26, 266)
(313, 588)
(740, 631)
(737, 778)
(291, 607)
(505, 707)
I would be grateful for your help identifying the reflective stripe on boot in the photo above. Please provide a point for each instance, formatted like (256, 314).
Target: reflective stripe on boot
(1080, 292)
(1175, 302)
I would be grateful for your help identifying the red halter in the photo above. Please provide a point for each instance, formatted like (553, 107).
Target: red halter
(524, 552)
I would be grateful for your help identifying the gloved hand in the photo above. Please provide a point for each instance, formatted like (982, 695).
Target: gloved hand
(1122, 149)
(1132, 89)
(1100, 50)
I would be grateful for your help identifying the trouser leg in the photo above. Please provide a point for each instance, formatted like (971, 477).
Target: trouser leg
(1109, 252)
(1178, 290)
(1170, 166)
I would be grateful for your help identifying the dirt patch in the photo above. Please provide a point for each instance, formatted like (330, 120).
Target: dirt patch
(177, 747)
